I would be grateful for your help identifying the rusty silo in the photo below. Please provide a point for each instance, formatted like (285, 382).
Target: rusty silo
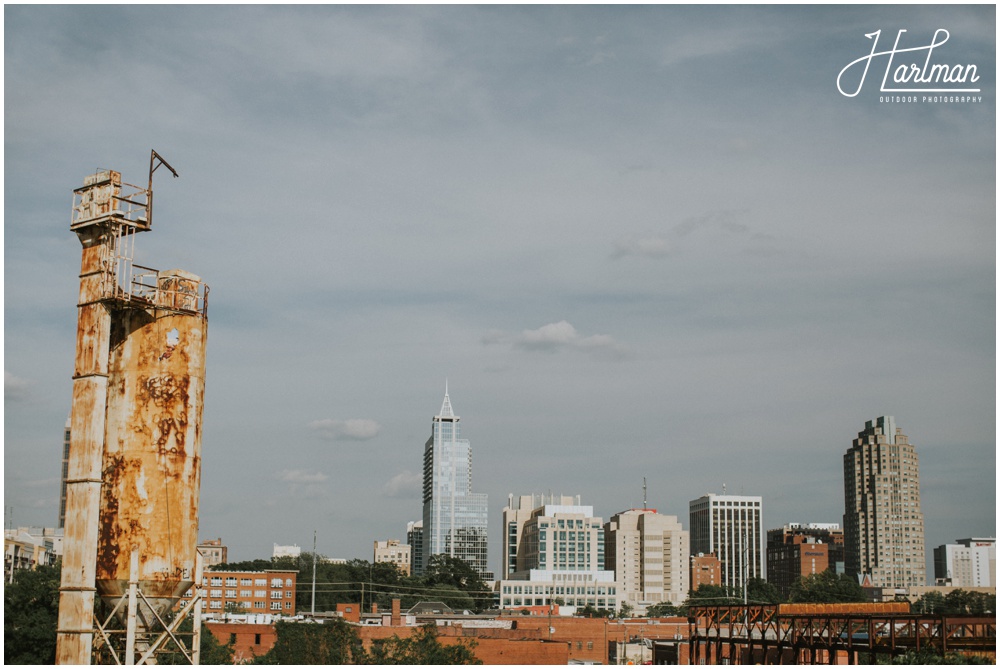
(135, 468)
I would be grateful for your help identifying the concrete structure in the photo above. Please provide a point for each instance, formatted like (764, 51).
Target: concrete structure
(883, 523)
(134, 468)
(559, 557)
(968, 563)
(705, 570)
(730, 527)
(292, 551)
(393, 552)
(649, 554)
(516, 514)
(415, 540)
(213, 552)
(30, 548)
(455, 518)
(798, 550)
(255, 592)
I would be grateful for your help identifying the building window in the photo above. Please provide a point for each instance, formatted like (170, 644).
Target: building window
(275, 606)
(231, 582)
(216, 580)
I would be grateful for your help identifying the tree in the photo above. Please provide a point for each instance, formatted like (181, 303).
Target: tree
(760, 591)
(827, 588)
(30, 613)
(665, 610)
(422, 647)
(713, 595)
(626, 610)
(930, 656)
(304, 643)
(444, 570)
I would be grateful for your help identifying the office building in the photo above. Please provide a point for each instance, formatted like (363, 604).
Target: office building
(968, 563)
(730, 527)
(558, 554)
(65, 472)
(649, 554)
(393, 552)
(415, 539)
(883, 523)
(799, 549)
(455, 518)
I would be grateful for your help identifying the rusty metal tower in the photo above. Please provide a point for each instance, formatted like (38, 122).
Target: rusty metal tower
(134, 474)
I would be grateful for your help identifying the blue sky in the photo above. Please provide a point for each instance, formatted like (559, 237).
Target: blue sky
(637, 241)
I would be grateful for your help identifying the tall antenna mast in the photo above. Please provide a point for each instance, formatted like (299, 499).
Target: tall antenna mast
(644, 505)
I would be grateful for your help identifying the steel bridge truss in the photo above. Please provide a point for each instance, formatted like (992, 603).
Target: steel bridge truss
(762, 635)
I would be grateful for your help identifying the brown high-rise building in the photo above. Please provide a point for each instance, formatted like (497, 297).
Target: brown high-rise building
(883, 524)
(798, 550)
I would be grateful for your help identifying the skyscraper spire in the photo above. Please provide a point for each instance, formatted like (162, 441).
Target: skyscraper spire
(446, 411)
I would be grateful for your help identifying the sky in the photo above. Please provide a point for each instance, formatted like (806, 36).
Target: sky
(636, 242)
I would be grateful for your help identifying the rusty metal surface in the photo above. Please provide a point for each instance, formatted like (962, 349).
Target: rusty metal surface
(134, 468)
(83, 479)
(152, 457)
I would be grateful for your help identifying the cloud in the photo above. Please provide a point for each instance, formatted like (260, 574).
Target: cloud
(649, 247)
(15, 389)
(404, 485)
(352, 429)
(556, 337)
(302, 476)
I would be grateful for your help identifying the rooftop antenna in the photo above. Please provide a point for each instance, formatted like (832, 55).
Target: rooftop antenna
(155, 160)
(723, 488)
(644, 505)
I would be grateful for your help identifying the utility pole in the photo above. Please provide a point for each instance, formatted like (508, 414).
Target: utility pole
(313, 610)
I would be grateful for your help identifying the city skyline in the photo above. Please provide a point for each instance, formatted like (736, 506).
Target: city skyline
(639, 242)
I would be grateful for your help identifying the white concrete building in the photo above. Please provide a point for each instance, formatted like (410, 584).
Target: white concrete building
(554, 554)
(649, 554)
(730, 527)
(286, 551)
(969, 563)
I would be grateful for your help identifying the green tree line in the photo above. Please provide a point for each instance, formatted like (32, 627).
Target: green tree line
(446, 579)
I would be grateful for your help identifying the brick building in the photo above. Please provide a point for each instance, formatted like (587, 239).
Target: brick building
(705, 570)
(268, 591)
(249, 640)
(798, 550)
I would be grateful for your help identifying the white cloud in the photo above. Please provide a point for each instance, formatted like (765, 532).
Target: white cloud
(15, 389)
(352, 429)
(405, 485)
(302, 476)
(556, 337)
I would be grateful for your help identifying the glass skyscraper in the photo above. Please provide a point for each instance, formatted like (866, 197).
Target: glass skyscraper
(454, 516)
